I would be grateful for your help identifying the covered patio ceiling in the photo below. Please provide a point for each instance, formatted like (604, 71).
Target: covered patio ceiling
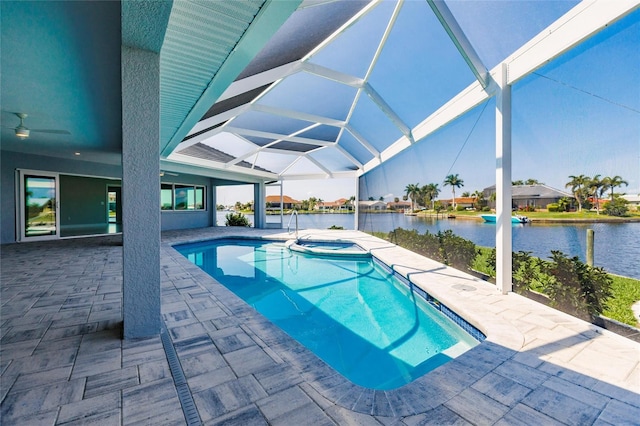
(343, 86)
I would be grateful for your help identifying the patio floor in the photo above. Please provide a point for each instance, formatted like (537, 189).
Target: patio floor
(63, 360)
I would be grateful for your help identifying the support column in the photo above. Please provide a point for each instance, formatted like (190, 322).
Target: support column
(213, 202)
(281, 204)
(503, 184)
(141, 192)
(259, 206)
(356, 220)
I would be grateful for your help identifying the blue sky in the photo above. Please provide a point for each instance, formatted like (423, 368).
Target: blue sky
(580, 114)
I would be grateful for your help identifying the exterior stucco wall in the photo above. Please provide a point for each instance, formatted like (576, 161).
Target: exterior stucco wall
(10, 161)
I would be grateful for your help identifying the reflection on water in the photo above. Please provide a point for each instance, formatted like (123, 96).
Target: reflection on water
(617, 245)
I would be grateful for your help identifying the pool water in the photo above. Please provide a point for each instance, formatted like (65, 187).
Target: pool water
(360, 320)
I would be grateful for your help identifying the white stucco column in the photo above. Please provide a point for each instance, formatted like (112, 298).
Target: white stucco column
(141, 192)
(503, 184)
(259, 206)
(357, 208)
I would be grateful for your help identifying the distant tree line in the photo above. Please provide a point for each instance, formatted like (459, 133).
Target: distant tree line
(588, 191)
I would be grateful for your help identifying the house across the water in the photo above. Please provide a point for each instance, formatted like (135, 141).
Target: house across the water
(523, 196)
(288, 203)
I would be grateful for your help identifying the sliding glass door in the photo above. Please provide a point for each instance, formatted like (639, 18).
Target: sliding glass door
(39, 207)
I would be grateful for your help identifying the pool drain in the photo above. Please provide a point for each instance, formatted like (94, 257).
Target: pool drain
(464, 287)
(184, 393)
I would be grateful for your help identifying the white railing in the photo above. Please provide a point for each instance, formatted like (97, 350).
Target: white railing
(293, 213)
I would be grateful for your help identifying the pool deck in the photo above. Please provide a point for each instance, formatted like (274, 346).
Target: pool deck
(63, 360)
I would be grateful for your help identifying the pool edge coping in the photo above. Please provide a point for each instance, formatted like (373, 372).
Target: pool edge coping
(338, 389)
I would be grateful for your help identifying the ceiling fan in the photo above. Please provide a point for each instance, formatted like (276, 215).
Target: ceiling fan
(22, 132)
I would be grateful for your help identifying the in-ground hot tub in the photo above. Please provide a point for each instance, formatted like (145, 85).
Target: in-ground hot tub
(331, 248)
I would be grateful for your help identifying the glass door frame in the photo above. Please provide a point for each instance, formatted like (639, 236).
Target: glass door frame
(21, 214)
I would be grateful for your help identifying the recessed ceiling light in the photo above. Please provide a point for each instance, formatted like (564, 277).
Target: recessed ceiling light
(76, 153)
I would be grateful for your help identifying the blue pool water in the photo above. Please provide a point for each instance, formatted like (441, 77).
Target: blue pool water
(350, 312)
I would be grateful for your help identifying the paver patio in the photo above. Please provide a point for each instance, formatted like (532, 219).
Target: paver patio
(63, 360)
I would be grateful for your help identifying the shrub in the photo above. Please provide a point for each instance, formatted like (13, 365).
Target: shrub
(236, 219)
(575, 287)
(486, 209)
(456, 251)
(445, 247)
(460, 208)
(525, 269)
(617, 207)
(553, 207)
(336, 227)
(427, 245)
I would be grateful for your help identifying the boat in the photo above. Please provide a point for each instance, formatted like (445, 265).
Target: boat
(491, 218)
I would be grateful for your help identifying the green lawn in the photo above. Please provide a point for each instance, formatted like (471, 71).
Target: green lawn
(626, 291)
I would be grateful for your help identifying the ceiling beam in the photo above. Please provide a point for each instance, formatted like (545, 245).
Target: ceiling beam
(363, 141)
(271, 135)
(319, 165)
(188, 160)
(220, 118)
(460, 40)
(388, 111)
(308, 176)
(298, 115)
(350, 157)
(332, 75)
(365, 10)
(248, 84)
(466, 100)
(582, 21)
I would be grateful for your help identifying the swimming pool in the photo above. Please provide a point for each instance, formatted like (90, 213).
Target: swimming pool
(351, 312)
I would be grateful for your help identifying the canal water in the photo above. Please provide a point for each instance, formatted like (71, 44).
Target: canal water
(617, 245)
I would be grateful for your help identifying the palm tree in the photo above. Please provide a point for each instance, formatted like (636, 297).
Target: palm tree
(430, 192)
(479, 196)
(532, 182)
(614, 182)
(597, 187)
(312, 203)
(563, 204)
(578, 185)
(454, 182)
(413, 191)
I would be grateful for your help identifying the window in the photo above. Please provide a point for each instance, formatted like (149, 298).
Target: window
(181, 197)
(166, 196)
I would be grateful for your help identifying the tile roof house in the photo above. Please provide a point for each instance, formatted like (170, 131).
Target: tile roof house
(460, 201)
(339, 204)
(287, 202)
(400, 205)
(371, 205)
